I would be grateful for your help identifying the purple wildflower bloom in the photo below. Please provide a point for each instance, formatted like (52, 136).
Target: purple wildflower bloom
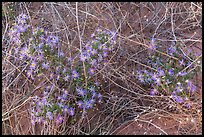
(183, 73)
(92, 100)
(105, 54)
(71, 111)
(49, 115)
(30, 39)
(170, 72)
(188, 105)
(92, 35)
(23, 16)
(93, 94)
(178, 99)
(160, 72)
(182, 62)
(51, 75)
(83, 57)
(58, 76)
(93, 62)
(33, 65)
(153, 92)
(65, 109)
(141, 78)
(91, 71)
(61, 54)
(75, 74)
(59, 119)
(29, 73)
(99, 97)
(100, 57)
(53, 39)
(60, 104)
(171, 50)
(92, 89)
(152, 45)
(179, 87)
(40, 57)
(21, 21)
(94, 52)
(105, 48)
(96, 83)
(88, 104)
(80, 104)
(21, 28)
(81, 92)
(100, 46)
(191, 87)
(45, 65)
(154, 76)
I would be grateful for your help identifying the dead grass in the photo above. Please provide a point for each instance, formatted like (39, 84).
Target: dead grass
(125, 101)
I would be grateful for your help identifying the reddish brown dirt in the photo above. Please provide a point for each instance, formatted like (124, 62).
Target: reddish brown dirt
(160, 125)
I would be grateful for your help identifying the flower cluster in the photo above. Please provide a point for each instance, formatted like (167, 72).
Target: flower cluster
(72, 88)
(170, 76)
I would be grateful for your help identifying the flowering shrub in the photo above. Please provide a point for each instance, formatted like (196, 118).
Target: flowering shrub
(72, 88)
(170, 76)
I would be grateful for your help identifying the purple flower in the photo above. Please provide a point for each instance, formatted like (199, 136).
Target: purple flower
(92, 35)
(71, 111)
(75, 74)
(23, 16)
(182, 62)
(100, 46)
(105, 53)
(80, 104)
(81, 92)
(153, 92)
(88, 104)
(183, 73)
(53, 39)
(171, 50)
(29, 73)
(191, 87)
(45, 65)
(170, 72)
(33, 65)
(94, 52)
(96, 83)
(179, 87)
(40, 57)
(91, 71)
(49, 115)
(21, 28)
(59, 119)
(93, 62)
(154, 76)
(105, 48)
(65, 109)
(100, 58)
(92, 89)
(178, 99)
(160, 72)
(99, 97)
(51, 75)
(61, 54)
(93, 94)
(83, 57)
(152, 45)
(60, 104)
